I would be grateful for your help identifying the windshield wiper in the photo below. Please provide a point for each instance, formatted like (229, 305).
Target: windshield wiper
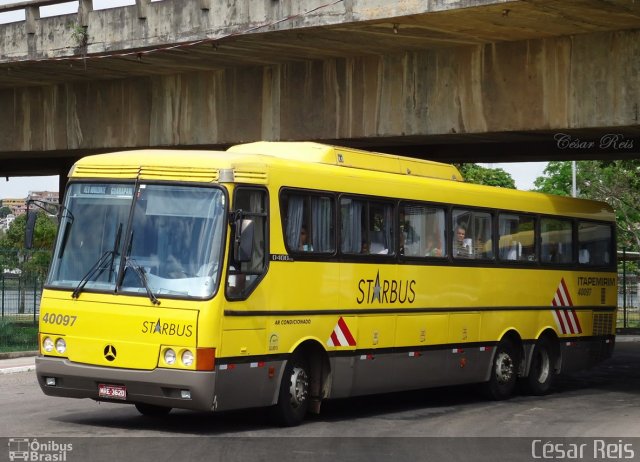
(142, 275)
(87, 277)
(100, 266)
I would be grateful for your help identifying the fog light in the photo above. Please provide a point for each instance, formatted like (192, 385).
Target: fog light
(47, 345)
(61, 346)
(187, 358)
(169, 356)
(185, 394)
(50, 381)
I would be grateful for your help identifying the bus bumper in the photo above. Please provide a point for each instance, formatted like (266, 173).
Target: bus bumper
(161, 387)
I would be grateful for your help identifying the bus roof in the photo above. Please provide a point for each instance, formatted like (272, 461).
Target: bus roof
(318, 166)
(305, 151)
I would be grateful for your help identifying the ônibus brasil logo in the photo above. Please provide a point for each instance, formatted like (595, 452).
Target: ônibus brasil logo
(33, 450)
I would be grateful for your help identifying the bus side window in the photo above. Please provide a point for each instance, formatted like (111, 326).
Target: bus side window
(422, 231)
(380, 228)
(472, 237)
(353, 239)
(308, 222)
(556, 237)
(517, 237)
(366, 227)
(244, 276)
(595, 243)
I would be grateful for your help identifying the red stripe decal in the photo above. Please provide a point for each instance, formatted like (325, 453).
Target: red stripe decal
(345, 331)
(575, 318)
(561, 321)
(566, 292)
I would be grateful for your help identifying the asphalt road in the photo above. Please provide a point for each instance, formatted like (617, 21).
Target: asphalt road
(602, 403)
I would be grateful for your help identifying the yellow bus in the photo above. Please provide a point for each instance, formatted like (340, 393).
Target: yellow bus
(282, 274)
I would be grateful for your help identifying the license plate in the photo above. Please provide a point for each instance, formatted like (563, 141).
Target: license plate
(112, 391)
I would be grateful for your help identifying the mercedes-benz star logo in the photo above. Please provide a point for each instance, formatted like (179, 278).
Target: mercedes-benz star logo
(110, 352)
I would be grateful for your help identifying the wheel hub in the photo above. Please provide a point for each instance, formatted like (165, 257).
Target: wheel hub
(504, 367)
(299, 389)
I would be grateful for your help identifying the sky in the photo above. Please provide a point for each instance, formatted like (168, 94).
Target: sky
(55, 10)
(524, 174)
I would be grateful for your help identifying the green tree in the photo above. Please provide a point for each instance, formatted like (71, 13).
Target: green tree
(474, 173)
(12, 245)
(614, 182)
(556, 180)
(4, 211)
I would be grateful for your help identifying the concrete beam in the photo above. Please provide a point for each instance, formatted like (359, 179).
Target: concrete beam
(142, 6)
(32, 14)
(365, 25)
(84, 8)
(548, 85)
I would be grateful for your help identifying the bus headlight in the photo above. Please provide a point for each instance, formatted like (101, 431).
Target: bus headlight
(47, 344)
(61, 346)
(169, 356)
(187, 358)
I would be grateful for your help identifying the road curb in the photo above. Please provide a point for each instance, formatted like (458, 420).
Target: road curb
(14, 370)
(17, 354)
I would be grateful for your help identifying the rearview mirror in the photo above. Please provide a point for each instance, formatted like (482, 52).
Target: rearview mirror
(29, 229)
(243, 245)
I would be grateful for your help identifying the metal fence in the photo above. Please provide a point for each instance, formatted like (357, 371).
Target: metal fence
(21, 282)
(20, 296)
(628, 301)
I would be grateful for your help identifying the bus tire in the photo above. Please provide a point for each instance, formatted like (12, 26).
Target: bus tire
(541, 372)
(151, 410)
(504, 371)
(293, 398)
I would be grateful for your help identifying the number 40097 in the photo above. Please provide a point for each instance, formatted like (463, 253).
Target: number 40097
(60, 319)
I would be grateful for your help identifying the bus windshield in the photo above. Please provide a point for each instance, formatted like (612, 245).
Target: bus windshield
(172, 246)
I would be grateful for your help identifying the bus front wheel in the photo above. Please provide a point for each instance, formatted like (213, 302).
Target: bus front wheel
(293, 398)
(504, 371)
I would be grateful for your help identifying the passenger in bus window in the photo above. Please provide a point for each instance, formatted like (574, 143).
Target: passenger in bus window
(304, 245)
(461, 244)
(433, 249)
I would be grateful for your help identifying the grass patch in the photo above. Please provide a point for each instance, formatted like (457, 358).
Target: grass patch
(15, 336)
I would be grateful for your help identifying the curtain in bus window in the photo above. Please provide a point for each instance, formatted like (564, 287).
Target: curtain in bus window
(351, 232)
(295, 213)
(412, 228)
(388, 228)
(322, 224)
(434, 243)
(256, 203)
(482, 235)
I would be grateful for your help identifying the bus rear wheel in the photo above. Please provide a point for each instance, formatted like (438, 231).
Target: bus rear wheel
(541, 372)
(504, 371)
(151, 410)
(293, 398)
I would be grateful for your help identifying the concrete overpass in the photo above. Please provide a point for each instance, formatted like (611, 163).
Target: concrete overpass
(453, 80)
